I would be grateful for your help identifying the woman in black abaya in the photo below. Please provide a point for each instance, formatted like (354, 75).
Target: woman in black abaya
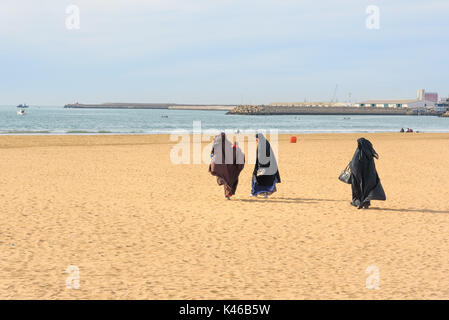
(265, 174)
(365, 181)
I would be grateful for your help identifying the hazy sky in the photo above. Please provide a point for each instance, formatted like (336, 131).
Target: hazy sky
(220, 51)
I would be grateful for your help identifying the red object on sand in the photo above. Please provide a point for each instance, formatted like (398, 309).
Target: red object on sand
(292, 139)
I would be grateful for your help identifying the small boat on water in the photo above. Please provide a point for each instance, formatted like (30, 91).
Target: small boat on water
(21, 112)
(22, 106)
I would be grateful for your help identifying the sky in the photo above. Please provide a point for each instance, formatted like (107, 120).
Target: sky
(221, 51)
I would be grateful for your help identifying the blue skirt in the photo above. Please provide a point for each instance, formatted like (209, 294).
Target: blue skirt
(258, 189)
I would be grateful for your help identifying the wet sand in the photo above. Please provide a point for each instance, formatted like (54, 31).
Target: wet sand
(140, 227)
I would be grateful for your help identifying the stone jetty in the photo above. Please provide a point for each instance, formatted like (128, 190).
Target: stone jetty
(302, 110)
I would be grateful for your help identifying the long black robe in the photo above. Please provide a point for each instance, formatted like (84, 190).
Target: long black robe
(227, 162)
(266, 173)
(365, 181)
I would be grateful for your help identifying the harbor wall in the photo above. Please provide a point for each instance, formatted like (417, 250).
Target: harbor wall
(149, 106)
(287, 110)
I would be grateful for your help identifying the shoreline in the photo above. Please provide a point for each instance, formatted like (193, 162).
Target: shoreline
(8, 141)
(190, 132)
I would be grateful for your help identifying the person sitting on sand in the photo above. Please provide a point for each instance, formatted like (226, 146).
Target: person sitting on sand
(266, 173)
(365, 181)
(402, 130)
(227, 161)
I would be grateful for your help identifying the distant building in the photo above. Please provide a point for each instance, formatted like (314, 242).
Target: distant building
(410, 104)
(423, 101)
(431, 97)
(442, 106)
(309, 104)
(428, 96)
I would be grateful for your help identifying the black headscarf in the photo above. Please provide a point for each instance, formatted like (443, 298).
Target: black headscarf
(366, 149)
(266, 168)
(365, 184)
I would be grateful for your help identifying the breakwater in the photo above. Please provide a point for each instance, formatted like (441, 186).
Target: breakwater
(117, 105)
(287, 110)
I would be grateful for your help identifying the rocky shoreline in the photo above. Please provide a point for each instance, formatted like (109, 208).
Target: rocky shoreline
(279, 110)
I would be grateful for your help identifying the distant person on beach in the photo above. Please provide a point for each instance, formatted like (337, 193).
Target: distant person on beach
(266, 173)
(402, 130)
(227, 161)
(365, 181)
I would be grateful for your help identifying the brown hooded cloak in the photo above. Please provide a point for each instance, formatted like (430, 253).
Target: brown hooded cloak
(227, 162)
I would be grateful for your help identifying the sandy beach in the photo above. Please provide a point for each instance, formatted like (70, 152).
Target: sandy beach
(140, 227)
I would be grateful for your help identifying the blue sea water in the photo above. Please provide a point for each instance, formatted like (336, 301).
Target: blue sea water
(57, 120)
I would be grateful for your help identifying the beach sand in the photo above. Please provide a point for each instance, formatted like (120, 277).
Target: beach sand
(140, 227)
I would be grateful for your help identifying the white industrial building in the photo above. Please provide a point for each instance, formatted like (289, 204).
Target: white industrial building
(423, 101)
(309, 104)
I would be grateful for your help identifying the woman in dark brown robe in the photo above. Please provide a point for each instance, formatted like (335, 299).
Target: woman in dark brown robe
(226, 164)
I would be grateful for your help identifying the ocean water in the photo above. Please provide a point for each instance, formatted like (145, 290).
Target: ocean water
(57, 120)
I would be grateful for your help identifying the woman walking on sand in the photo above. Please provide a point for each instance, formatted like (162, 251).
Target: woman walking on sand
(227, 161)
(266, 173)
(365, 181)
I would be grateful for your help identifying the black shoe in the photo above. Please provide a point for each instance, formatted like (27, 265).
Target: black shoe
(366, 204)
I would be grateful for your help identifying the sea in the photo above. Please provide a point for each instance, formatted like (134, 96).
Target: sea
(47, 120)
